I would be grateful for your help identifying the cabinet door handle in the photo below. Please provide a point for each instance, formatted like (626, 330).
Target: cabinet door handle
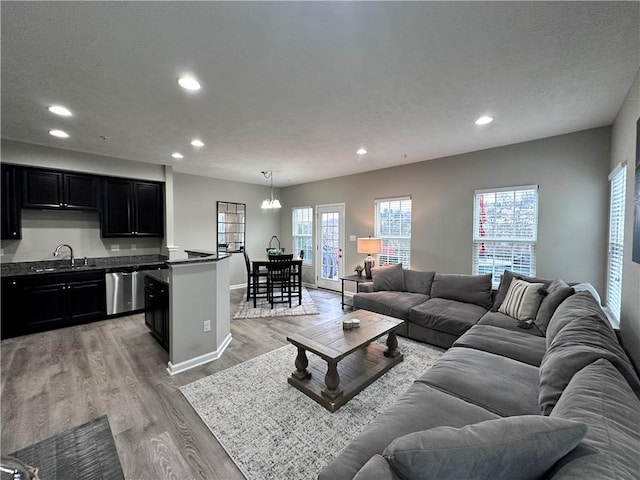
(152, 296)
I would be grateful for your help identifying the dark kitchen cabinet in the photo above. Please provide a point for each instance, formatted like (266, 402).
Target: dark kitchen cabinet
(132, 208)
(11, 220)
(59, 190)
(156, 315)
(37, 303)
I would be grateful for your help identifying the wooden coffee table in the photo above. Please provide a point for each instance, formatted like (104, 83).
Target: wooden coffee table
(353, 361)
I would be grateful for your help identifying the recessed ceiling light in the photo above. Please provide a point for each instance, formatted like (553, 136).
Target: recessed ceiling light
(197, 143)
(361, 151)
(60, 110)
(484, 120)
(189, 83)
(59, 133)
(177, 155)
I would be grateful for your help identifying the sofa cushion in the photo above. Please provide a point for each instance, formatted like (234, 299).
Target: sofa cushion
(507, 343)
(600, 397)
(505, 282)
(580, 343)
(499, 384)
(557, 292)
(501, 320)
(580, 307)
(416, 281)
(534, 444)
(419, 408)
(394, 304)
(474, 289)
(388, 278)
(523, 300)
(445, 315)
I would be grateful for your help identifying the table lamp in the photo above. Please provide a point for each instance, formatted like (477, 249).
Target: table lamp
(369, 246)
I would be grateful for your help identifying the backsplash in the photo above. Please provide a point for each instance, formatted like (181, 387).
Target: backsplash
(44, 230)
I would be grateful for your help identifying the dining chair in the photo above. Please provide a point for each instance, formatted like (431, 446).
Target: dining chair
(279, 279)
(260, 288)
(296, 278)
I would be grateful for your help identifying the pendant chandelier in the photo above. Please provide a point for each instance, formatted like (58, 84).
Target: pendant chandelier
(274, 202)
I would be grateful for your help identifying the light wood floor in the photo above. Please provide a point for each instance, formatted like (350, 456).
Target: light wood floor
(57, 380)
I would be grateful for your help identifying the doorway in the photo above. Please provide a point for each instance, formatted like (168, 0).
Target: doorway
(329, 245)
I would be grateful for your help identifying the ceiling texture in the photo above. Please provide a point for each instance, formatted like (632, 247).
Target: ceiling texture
(298, 87)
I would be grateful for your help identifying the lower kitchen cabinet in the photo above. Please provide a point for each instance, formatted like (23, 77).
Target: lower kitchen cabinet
(37, 303)
(156, 306)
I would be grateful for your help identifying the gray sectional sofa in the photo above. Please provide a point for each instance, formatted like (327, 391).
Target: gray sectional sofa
(559, 400)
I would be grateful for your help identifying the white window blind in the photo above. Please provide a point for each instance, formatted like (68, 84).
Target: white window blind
(618, 181)
(505, 231)
(302, 228)
(393, 225)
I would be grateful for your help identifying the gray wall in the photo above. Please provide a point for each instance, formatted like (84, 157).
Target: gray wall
(571, 171)
(623, 148)
(42, 230)
(195, 216)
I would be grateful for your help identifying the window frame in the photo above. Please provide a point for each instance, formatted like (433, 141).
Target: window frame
(516, 242)
(615, 256)
(308, 258)
(402, 257)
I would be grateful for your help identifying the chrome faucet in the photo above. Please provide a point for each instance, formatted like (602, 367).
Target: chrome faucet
(57, 252)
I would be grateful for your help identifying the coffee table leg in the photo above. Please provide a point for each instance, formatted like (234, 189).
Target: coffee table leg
(392, 346)
(302, 362)
(332, 381)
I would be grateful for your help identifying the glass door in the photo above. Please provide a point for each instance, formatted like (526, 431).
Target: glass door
(329, 246)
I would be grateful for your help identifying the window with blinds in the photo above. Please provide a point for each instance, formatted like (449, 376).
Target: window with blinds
(618, 182)
(505, 231)
(302, 228)
(393, 226)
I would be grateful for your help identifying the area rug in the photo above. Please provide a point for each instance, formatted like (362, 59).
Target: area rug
(273, 431)
(87, 452)
(263, 308)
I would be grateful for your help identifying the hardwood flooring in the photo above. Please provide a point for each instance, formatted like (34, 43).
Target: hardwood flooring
(57, 380)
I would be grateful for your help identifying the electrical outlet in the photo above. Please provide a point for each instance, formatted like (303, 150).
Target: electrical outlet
(352, 238)
(207, 325)
(133, 246)
(115, 247)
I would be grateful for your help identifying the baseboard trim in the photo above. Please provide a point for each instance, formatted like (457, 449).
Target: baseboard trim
(200, 360)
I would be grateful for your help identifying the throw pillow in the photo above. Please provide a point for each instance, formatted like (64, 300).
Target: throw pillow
(477, 451)
(389, 277)
(558, 292)
(587, 287)
(523, 300)
(505, 282)
(474, 289)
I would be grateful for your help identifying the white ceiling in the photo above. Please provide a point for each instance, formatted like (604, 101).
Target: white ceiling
(297, 88)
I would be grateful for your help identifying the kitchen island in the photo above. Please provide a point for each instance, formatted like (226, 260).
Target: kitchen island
(199, 311)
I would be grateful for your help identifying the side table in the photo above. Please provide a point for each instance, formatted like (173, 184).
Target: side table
(358, 279)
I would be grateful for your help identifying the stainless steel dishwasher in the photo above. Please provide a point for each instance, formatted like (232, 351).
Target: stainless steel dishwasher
(125, 290)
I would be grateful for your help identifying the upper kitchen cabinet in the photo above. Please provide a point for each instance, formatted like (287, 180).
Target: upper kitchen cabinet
(132, 208)
(11, 223)
(59, 190)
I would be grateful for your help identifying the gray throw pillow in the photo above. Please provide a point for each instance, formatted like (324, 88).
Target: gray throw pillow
(523, 300)
(557, 292)
(522, 447)
(474, 289)
(505, 283)
(388, 278)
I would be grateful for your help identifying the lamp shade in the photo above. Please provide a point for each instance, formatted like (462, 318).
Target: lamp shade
(369, 245)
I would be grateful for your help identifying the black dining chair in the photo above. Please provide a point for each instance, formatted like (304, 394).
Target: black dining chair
(296, 278)
(279, 279)
(259, 290)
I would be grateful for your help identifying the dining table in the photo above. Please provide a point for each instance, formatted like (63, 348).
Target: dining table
(261, 261)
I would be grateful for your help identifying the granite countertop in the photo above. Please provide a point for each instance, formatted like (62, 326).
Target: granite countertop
(214, 257)
(96, 263)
